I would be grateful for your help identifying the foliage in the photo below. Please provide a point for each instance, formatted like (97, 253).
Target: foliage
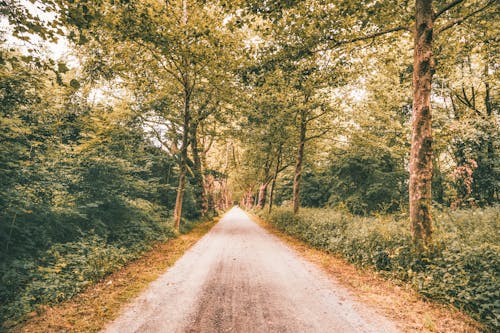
(82, 191)
(461, 269)
(63, 271)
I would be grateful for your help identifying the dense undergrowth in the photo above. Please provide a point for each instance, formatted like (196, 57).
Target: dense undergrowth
(66, 269)
(461, 269)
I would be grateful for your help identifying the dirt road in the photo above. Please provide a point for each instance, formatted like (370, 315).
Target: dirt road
(239, 278)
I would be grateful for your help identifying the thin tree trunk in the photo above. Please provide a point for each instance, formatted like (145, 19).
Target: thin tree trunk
(183, 162)
(184, 11)
(298, 164)
(438, 183)
(271, 194)
(261, 202)
(180, 189)
(487, 96)
(185, 135)
(208, 183)
(421, 142)
(490, 152)
(275, 176)
(200, 191)
(180, 197)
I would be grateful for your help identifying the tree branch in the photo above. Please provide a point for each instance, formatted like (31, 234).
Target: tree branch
(446, 8)
(160, 60)
(318, 115)
(318, 135)
(337, 43)
(366, 37)
(466, 102)
(460, 20)
(374, 35)
(158, 136)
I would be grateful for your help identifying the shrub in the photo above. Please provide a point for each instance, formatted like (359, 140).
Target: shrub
(66, 269)
(460, 269)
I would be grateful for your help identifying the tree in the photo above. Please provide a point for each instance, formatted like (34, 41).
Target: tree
(267, 127)
(421, 156)
(421, 143)
(191, 52)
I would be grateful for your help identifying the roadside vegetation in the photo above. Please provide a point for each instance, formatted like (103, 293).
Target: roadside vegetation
(100, 303)
(461, 268)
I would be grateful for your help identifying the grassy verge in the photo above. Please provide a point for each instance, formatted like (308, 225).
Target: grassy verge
(90, 310)
(395, 300)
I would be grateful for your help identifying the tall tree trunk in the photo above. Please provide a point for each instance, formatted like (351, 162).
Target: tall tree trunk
(298, 163)
(421, 140)
(271, 194)
(198, 179)
(437, 186)
(487, 96)
(180, 196)
(248, 199)
(183, 161)
(185, 134)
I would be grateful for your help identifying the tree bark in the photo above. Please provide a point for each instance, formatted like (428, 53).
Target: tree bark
(421, 141)
(208, 181)
(198, 179)
(180, 196)
(487, 95)
(183, 161)
(271, 194)
(490, 152)
(248, 199)
(261, 202)
(273, 182)
(298, 164)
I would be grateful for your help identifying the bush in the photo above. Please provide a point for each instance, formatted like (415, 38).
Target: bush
(65, 269)
(461, 268)
(466, 278)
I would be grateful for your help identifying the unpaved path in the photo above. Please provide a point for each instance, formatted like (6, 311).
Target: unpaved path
(239, 278)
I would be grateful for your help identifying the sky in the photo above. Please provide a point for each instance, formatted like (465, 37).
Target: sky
(57, 51)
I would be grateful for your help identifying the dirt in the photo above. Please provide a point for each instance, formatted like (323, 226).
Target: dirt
(240, 278)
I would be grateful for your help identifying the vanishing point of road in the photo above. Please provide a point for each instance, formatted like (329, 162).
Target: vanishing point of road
(239, 278)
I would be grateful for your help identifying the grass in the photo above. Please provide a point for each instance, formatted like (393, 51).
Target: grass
(102, 302)
(397, 301)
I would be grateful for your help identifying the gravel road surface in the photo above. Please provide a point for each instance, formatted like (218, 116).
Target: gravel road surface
(239, 278)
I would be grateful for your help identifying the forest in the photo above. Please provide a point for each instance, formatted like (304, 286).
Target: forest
(370, 129)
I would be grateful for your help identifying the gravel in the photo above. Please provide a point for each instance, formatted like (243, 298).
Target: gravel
(240, 278)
